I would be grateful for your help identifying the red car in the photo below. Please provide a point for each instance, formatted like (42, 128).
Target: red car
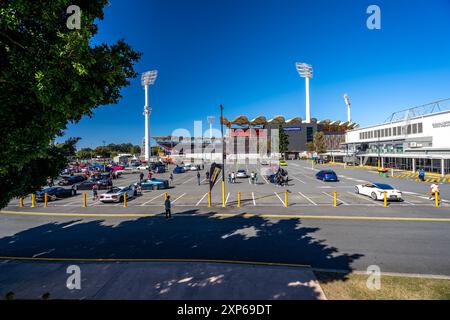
(115, 168)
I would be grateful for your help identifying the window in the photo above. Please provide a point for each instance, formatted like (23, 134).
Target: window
(382, 133)
(360, 136)
(390, 132)
(394, 131)
(419, 127)
(309, 134)
(409, 129)
(414, 128)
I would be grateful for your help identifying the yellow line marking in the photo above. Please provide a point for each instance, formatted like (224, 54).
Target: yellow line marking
(156, 260)
(230, 215)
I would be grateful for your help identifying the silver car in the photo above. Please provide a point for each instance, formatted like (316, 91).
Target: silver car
(117, 194)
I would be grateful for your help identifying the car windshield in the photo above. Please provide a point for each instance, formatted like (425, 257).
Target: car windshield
(384, 186)
(114, 190)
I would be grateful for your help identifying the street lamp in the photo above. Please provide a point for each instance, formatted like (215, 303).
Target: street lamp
(148, 78)
(347, 102)
(210, 121)
(306, 71)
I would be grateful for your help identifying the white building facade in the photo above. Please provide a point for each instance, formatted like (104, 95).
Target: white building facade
(416, 141)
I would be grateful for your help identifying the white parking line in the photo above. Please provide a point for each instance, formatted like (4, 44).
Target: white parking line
(178, 198)
(188, 180)
(329, 195)
(152, 199)
(226, 200)
(201, 199)
(299, 180)
(308, 199)
(364, 198)
(279, 198)
(253, 197)
(265, 179)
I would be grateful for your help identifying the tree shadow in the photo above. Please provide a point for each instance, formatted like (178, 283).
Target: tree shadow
(186, 237)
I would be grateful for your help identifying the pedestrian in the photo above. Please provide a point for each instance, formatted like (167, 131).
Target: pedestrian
(167, 207)
(198, 177)
(95, 192)
(149, 176)
(207, 175)
(171, 178)
(286, 180)
(233, 177)
(229, 177)
(256, 178)
(422, 174)
(252, 177)
(141, 177)
(434, 189)
(139, 189)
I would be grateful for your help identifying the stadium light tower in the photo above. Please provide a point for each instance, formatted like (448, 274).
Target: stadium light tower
(347, 102)
(210, 121)
(306, 71)
(148, 78)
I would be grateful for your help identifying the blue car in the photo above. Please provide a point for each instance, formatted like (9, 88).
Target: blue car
(177, 170)
(154, 184)
(327, 175)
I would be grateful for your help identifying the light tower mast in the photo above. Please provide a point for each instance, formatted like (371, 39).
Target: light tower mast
(148, 78)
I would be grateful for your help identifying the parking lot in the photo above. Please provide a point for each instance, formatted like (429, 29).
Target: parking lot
(304, 190)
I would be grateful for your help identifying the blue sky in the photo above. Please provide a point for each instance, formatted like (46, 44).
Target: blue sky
(241, 53)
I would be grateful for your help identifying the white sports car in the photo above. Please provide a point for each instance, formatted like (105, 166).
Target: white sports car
(116, 194)
(376, 191)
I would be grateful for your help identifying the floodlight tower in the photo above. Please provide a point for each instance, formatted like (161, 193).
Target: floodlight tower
(306, 71)
(347, 102)
(210, 121)
(148, 78)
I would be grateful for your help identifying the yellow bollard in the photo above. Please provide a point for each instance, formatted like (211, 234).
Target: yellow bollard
(125, 200)
(335, 199)
(286, 199)
(209, 199)
(436, 199)
(239, 199)
(33, 200)
(45, 199)
(84, 200)
(223, 194)
(21, 202)
(385, 199)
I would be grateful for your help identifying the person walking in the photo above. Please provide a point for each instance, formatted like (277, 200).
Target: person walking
(434, 189)
(167, 207)
(95, 192)
(141, 177)
(149, 175)
(198, 177)
(171, 178)
(252, 177)
(233, 177)
(422, 174)
(229, 177)
(207, 175)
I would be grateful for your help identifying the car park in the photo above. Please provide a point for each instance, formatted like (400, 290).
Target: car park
(70, 180)
(154, 184)
(178, 170)
(117, 194)
(376, 191)
(327, 175)
(241, 173)
(54, 193)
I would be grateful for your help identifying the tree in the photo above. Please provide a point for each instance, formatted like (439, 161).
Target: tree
(85, 153)
(319, 142)
(50, 76)
(310, 146)
(135, 150)
(284, 140)
(102, 152)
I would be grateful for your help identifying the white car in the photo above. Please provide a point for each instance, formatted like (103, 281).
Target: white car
(264, 163)
(116, 194)
(143, 167)
(376, 191)
(194, 168)
(241, 174)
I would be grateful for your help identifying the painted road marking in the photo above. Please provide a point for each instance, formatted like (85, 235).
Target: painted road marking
(188, 180)
(201, 199)
(299, 180)
(364, 198)
(282, 202)
(332, 197)
(253, 197)
(226, 200)
(178, 198)
(152, 199)
(307, 198)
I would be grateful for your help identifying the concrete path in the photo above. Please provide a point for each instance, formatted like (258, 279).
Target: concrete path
(158, 280)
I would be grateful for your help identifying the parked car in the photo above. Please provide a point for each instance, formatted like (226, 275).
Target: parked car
(376, 191)
(327, 175)
(68, 181)
(178, 170)
(54, 193)
(187, 167)
(159, 169)
(241, 173)
(154, 184)
(116, 194)
(117, 167)
(88, 184)
(264, 163)
(143, 167)
(194, 168)
(283, 163)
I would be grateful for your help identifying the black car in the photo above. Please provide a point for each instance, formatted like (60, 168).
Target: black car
(68, 181)
(102, 184)
(54, 193)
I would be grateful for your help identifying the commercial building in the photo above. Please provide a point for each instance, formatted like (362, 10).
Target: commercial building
(410, 139)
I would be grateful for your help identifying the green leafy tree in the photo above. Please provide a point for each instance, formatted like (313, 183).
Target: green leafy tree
(284, 141)
(310, 146)
(50, 76)
(135, 150)
(319, 142)
(85, 153)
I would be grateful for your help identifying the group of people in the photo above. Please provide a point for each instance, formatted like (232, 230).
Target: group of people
(232, 177)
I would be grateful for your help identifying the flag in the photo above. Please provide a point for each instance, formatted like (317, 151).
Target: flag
(214, 173)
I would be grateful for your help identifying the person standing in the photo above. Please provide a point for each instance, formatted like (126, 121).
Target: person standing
(141, 177)
(422, 174)
(207, 175)
(171, 178)
(95, 192)
(434, 189)
(167, 207)
(149, 175)
(198, 177)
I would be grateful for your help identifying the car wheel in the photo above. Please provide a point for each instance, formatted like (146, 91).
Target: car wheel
(52, 198)
(356, 190)
(73, 193)
(374, 196)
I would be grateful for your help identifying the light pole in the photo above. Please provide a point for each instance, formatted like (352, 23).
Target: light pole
(347, 102)
(210, 121)
(148, 78)
(306, 71)
(223, 156)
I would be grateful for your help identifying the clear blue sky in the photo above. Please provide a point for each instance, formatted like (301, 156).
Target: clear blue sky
(241, 53)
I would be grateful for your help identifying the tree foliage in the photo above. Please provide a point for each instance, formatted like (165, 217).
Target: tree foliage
(284, 140)
(50, 76)
(319, 142)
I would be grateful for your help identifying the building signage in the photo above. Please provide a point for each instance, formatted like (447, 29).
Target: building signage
(292, 129)
(441, 124)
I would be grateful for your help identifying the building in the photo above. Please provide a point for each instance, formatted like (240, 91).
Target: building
(410, 139)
